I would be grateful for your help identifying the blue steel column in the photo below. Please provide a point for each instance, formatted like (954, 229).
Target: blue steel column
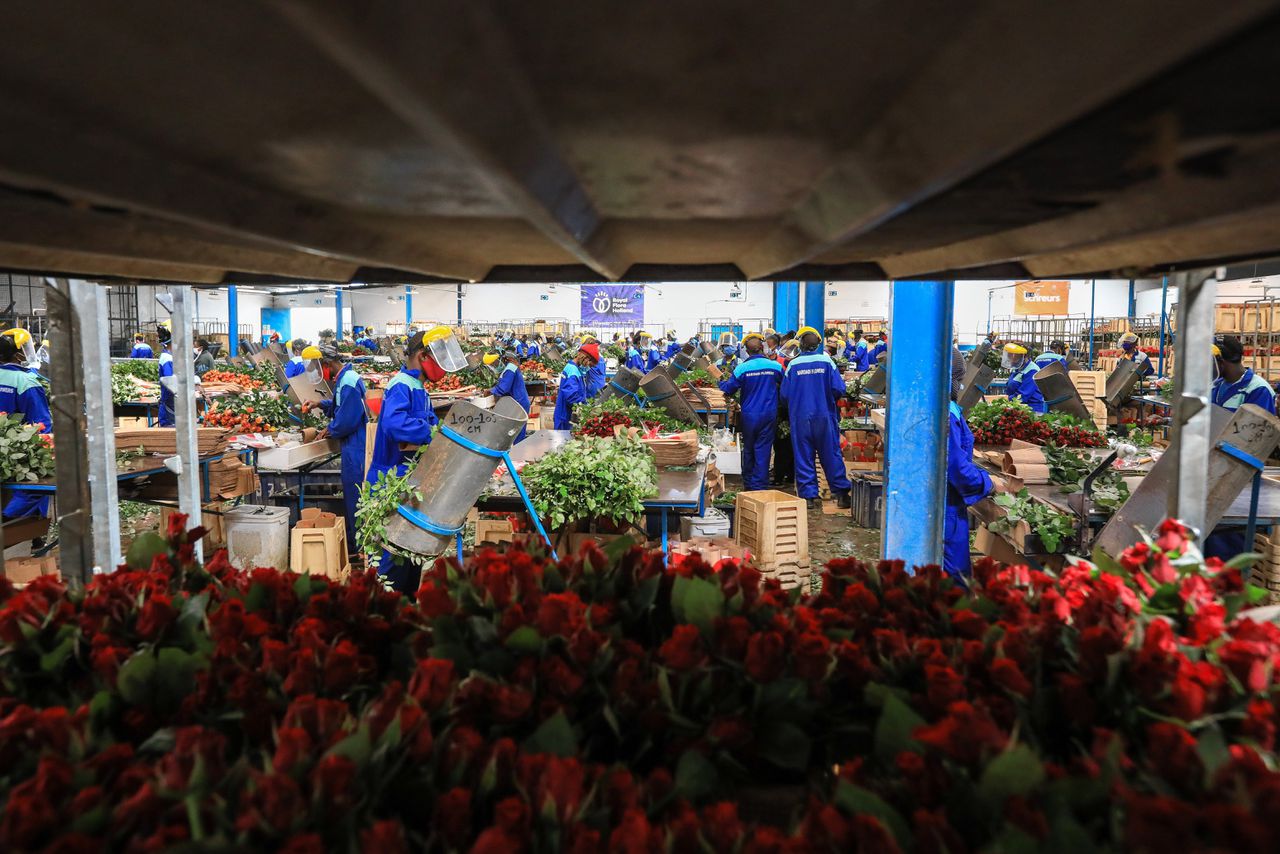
(233, 322)
(920, 315)
(337, 330)
(1133, 301)
(815, 295)
(1164, 296)
(408, 308)
(786, 306)
(1093, 295)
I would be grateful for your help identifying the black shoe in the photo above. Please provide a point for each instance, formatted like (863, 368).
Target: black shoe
(814, 504)
(843, 502)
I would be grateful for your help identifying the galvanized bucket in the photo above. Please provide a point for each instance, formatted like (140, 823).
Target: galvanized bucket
(662, 392)
(628, 379)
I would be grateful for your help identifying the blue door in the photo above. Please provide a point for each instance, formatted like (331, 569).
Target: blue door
(278, 321)
(718, 330)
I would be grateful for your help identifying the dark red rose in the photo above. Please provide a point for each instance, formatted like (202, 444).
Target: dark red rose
(453, 817)
(683, 650)
(1171, 750)
(1247, 661)
(812, 655)
(434, 599)
(334, 779)
(732, 634)
(293, 746)
(432, 682)
(1006, 674)
(385, 837)
(275, 657)
(512, 816)
(560, 614)
(965, 734)
(730, 732)
(558, 678)
(1157, 823)
(156, 615)
(968, 624)
(1260, 723)
(766, 656)
(341, 666)
(722, 826)
(943, 685)
(621, 791)
(509, 703)
(273, 803)
(634, 835)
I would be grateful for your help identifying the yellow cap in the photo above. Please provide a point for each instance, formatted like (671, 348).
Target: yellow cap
(167, 324)
(750, 335)
(803, 329)
(21, 337)
(770, 331)
(1129, 338)
(1014, 348)
(588, 339)
(44, 343)
(490, 358)
(1216, 350)
(312, 352)
(437, 333)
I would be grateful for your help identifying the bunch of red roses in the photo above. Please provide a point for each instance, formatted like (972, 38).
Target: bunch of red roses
(608, 700)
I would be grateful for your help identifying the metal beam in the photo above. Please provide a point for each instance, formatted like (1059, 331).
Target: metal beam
(1192, 411)
(408, 306)
(84, 160)
(71, 463)
(233, 322)
(337, 307)
(38, 260)
(1103, 50)
(90, 305)
(184, 409)
(786, 306)
(815, 299)
(409, 54)
(916, 424)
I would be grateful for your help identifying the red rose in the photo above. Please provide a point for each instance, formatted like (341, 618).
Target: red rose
(1247, 661)
(432, 682)
(341, 666)
(1006, 674)
(683, 650)
(943, 685)
(722, 826)
(965, 734)
(1260, 723)
(512, 816)
(293, 745)
(558, 678)
(621, 791)
(1171, 750)
(434, 599)
(509, 703)
(968, 624)
(858, 599)
(156, 615)
(732, 635)
(275, 802)
(560, 614)
(385, 837)
(812, 655)
(1157, 823)
(1207, 623)
(275, 657)
(453, 817)
(634, 835)
(334, 779)
(730, 732)
(765, 656)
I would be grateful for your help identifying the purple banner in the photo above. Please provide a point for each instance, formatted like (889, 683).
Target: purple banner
(613, 305)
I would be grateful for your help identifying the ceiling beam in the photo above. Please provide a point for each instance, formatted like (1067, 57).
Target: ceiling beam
(54, 227)
(79, 158)
(34, 259)
(1016, 73)
(450, 74)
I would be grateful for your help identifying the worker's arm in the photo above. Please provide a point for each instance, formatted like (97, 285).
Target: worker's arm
(963, 475)
(34, 405)
(400, 423)
(786, 384)
(1262, 397)
(836, 382)
(573, 390)
(504, 385)
(166, 375)
(730, 383)
(349, 414)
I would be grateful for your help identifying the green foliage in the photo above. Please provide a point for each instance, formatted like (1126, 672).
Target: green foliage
(24, 456)
(143, 369)
(1053, 528)
(626, 408)
(376, 503)
(592, 479)
(1068, 468)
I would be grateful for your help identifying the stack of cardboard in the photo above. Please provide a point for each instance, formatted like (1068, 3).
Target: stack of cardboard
(1266, 572)
(163, 440)
(231, 478)
(704, 398)
(1026, 461)
(863, 450)
(712, 549)
(24, 570)
(677, 449)
(1092, 385)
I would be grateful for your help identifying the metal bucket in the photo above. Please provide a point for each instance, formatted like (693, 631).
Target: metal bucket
(662, 393)
(972, 388)
(1120, 384)
(875, 380)
(978, 354)
(475, 360)
(452, 477)
(679, 363)
(1059, 392)
(551, 351)
(626, 377)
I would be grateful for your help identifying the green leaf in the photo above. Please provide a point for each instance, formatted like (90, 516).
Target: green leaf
(144, 549)
(555, 736)
(855, 800)
(785, 745)
(696, 776)
(1213, 752)
(135, 677)
(1243, 560)
(1016, 771)
(893, 731)
(51, 662)
(355, 747)
(697, 601)
(524, 641)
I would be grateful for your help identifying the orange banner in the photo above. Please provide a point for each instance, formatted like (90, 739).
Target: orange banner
(1041, 297)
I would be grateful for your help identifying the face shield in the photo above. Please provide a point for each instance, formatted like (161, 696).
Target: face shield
(444, 349)
(23, 343)
(1011, 361)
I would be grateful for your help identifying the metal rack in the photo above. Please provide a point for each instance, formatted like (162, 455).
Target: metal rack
(1038, 332)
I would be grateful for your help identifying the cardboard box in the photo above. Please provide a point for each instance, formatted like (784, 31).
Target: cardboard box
(995, 546)
(210, 521)
(24, 570)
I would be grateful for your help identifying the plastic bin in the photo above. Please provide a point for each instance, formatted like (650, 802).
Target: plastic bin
(257, 536)
(714, 524)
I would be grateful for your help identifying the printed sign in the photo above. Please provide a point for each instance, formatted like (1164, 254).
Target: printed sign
(1041, 298)
(612, 304)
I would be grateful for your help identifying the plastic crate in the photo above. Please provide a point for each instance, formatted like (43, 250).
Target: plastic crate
(318, 544)
(867, 501)
(774, 525)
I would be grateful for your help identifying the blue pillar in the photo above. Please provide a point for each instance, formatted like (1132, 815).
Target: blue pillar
(919, 390)
(815, 294)
(1093, 301)
(786, 306)
(459, 304)
(1133, 301)
(337, 330)
(1164, 296)
(408, 308)
(233, 322)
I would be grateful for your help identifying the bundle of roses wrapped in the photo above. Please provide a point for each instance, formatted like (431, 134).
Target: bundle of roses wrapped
(607, 701)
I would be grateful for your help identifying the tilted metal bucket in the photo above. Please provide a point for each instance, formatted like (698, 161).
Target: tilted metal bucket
(679, 363)
(1120, 384)
(551, 351)
(974, 385)
(875, 380)
(451, 477)
(662, 393)
(1059, 392)
(628, 379)
(475, 360)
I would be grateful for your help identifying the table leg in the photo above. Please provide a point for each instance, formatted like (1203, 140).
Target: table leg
(459, 538)
(1252, 527)
(664, 531)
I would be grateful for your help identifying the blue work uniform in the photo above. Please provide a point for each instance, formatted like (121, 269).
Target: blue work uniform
(347, 421)
(635, 361)
(1046, 359)
(534, 351)
(141, 351)
(850, 350)
(522, 349)
(1227, 542)
(655, 358)
(1142, 361)
(369, 344)
(573, 390)
(673, 347)
(1021, 385)
(511, 384)
(811, 385)
(166, 416)
(966, 484)
(294, 367)
(862, 355)
(875, 353)
(406, 417)
(759, 378)
(595, 379)
(22, 394)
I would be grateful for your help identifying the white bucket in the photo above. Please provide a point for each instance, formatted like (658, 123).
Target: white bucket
(257, 536)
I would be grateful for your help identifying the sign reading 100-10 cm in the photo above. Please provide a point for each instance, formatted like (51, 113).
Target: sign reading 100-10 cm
(615, 304)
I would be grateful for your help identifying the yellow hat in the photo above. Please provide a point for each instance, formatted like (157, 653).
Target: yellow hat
(588, 338)
(490, 358)
(1014, 348)
(803, 329)
(750, 335)
(312, 352)
(21, 337)
(1216, 350)
(1129, 338)
(436, 333)
(770, 331)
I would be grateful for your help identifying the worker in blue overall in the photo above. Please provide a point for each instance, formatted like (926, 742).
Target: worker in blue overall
(535, 349)
(1234, 385)
(759, 378)
(1129, 351)
(296, 364)
(595, 374)
(522, 346)
(727, 353)
(855, 350)
(511, 384)
(573, 384)
(879, 346)
(811, 385)
(367, 341)
(1021, 385)
(141, 349)
(1057, 352)
(165, 418)
(347, 419)
(406, 423)
(22, 393)
(635, 359)
(673, 346)
(967, 484)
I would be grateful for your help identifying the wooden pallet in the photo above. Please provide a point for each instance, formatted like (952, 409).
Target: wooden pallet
(793, 574)
(773, 525)
(1092, 385)
(1266, 572)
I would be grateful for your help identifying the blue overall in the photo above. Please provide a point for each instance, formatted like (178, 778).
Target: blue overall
(1044, 360)
(759, 379)
(368, 343)
(294, 366)
(673, 347)
(1225, 542)
(851, 350)
(573, 390)
(22, 394)
(1142, 361)
(534, 350)
(522, 349)
(166, 417)
(141, 351)
(1021, 385)
(347, 420)
(511, 384)
(635, 361)
(595, 379)
(875, 353)
(407, 417)
(811, 385)
(966, 484)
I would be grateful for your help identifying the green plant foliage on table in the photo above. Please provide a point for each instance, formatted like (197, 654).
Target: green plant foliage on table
(375, 505)
(25, 456)
(594, 415)
(143, 369)
(592, 479)
(1053, 528)
(1069, 467)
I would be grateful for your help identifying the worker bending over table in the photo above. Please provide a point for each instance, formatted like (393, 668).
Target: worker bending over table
(347, 419)
(21, 393)
(295, 365)
(759, 378)
(573, 384)
(511, 384)
(1021, 385)
(1130, 352)
(811, 386)
(967, 484)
